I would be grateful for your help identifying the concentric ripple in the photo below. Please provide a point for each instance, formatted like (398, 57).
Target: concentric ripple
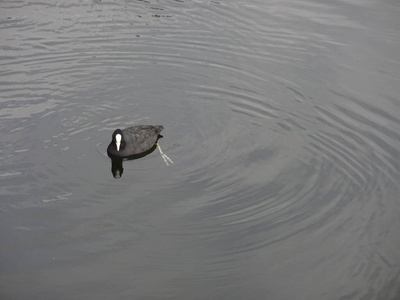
(282, 119)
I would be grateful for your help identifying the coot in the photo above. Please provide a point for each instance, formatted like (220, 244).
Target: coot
(134, 141)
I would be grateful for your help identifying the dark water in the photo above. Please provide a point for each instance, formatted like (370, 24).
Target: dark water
(283, 121)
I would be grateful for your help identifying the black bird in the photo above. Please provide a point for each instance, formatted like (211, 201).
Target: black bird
(135, 140)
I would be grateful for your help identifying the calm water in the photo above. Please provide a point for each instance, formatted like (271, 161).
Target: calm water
(283, 122)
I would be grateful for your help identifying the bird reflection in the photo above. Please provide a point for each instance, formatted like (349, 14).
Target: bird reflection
(116, 167)
(116, 162)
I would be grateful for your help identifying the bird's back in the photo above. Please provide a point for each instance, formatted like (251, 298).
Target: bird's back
(140, 138)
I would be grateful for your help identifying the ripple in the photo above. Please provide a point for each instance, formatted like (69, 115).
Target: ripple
(28, 109)
(281, 159)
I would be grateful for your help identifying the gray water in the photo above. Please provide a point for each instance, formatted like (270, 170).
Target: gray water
(283, 122)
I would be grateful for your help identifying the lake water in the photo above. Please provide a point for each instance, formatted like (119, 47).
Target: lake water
(283, 122)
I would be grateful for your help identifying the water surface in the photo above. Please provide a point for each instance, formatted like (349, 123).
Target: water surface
(282, 119)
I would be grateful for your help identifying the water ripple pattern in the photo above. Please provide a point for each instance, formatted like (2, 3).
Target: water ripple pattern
(282, 119)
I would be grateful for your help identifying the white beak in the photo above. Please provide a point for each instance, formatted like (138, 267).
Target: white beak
(118, 138)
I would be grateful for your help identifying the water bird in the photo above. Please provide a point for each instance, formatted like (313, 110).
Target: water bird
(134, 141)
